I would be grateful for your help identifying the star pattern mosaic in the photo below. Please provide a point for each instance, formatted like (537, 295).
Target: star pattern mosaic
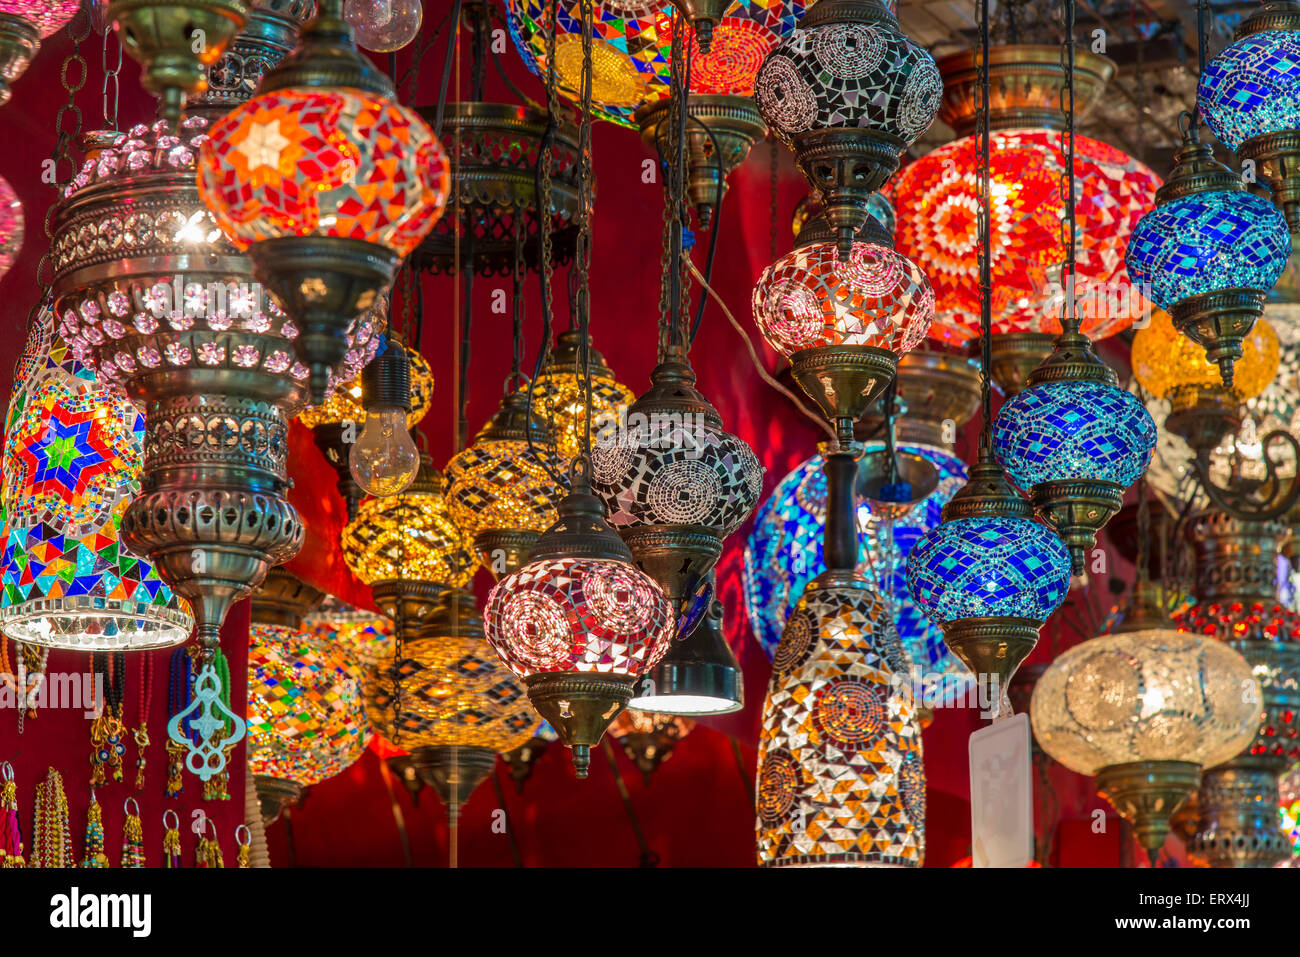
(1252, 87)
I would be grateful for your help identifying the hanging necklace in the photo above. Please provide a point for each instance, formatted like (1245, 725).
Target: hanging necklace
(107, 733)
(94, 856)
(179, 690)
(11, 838)
(51, 839)
(171, 843)
(142, 728)
(132, 835)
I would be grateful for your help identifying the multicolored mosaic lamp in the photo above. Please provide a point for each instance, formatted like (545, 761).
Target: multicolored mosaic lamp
(579, 623)
(1209, 252)
(451, 703)
(1250, 97)
(365, 636)
(840, 777)
(73, 452)
(23, 25)
(327, 182)
(848, 93)
(560, 393)
(306, 718)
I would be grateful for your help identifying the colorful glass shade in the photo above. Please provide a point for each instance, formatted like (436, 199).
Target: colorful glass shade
(1252, 87)
(1207, 242)
(1289, 792)
(408, 536)
(344, 403)
(1073, 429)
(577, 614)
(47, 16)
(840, 777)
(849, 74)
(72, 457)
(632, 41)
(1156, 695)
(937, 208)
(560, 399)
(306, 718)
(313, 162)
(809, 298)
(365, 636)
(784, 553)
(988, 568)
(1163, 360)
(11, 226)
(498, 484)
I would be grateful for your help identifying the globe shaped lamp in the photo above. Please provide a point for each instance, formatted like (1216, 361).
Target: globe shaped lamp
(1144, 710)
(1209, 253)
(848, 92)
(649, 739)
(500, 489)
(451, 703)
(365, 636)
(579, 623)
(988, 574)
(560, 393)
(23, 25)
(327, 182)
(72, 460)
(1249, 93)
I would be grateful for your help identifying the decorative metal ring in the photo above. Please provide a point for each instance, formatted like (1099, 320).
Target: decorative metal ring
(126, 807)
(211, 824)
(6, 771)
(243, 836)
(175, 817)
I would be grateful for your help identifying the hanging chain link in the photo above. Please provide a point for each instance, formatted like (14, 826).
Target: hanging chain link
(774, 182)
(111, 83)
(586, 202)
(983, 197)
(546, 161)
(1070, 319)
(517, 274)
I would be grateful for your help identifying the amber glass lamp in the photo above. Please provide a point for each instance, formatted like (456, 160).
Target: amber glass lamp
(560, 394)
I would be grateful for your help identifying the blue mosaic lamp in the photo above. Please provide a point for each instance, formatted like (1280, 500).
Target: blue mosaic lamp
(1209, 252)
(1250, 97)
(989, 575)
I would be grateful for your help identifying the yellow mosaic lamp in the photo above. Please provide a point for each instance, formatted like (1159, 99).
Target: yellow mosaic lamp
(560, 395)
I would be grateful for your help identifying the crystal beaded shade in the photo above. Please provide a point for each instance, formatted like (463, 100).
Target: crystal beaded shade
(47, 16)
(344, 403)
(680, 471)
(365, 636)
(631, 44)
(784, 553)
(306, 718)
(1207, 242)
(840, 778)
(1163, 360)
(1072, 430)
(578, 614)
(72, 459)
(409, 536)
(988, 568)
(313, 162)
(936, 201)
(1252, 87)
(560, 399)
(11, 226)
(809, 298)
(1154, 695)
(849, 75)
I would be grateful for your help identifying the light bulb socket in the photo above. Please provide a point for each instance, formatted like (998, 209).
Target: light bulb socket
(818, 230)
(514, 421)
(386, 380)
(566, 357)
(987, 494)
(849, 11)
(283, 599)
(1197, 171)
(327, 56)
(1280, 15)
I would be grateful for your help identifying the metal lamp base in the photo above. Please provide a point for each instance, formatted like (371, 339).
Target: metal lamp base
(579, 706)
(1202, 417)
(503, 551)
(844, 380)
(453, 772)
(1220, 322)
(408, 603)
(1146, 794)
(1014, 356)
(276, 794)
(846, 165)
(19, 41)
(1077, 509)
(676, 556)
(699, 675)
(992, 646)
(1277, 158)
(1239, 824)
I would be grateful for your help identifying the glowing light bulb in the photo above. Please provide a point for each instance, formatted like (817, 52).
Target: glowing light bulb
(384, 459)
(384, 25)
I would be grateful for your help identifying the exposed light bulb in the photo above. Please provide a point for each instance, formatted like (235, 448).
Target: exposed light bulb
(384, 25)
(384, 459)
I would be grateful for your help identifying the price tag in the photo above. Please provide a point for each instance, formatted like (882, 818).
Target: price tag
(1001, 794)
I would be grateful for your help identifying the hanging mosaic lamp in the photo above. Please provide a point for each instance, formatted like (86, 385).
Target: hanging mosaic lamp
(500, 489)
(306, 718)
(560, 394)
(1236, 592)
(11, 226)
(451, 703)
(843, 321)
(407, 548)
(174, 41)
(1209, 253)
(579, 623)
(365, 636)
(840, 779)
(1143, 710)
(848, 93)
(674, 482)
(1250, 97)
(649, 739)
(327, 182)
(73, 452)
(23, 25)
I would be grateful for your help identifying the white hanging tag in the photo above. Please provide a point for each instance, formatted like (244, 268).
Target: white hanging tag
(1001, 794)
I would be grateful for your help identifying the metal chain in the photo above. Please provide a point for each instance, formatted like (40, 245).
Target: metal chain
(673, 329)
(586, 202)
(545, 163)
(111, 79)
(517, 304)
(774, 163)
(1070, 321)
(983, 195)
(668, 159)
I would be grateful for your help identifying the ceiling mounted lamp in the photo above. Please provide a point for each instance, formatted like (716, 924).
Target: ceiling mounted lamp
(23, 25)
(327, 182)
(1143, 710)
(840, 777)
(1236, 591)
(407, 548)
(306, 718)
(649, 739)
(937, 200)
(174, 42)
(560, 392)
(848, 93)
(843, 320)
(1209, 252)
(73, 452)
(451, 703)
(1250, 97)
(579, 623)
